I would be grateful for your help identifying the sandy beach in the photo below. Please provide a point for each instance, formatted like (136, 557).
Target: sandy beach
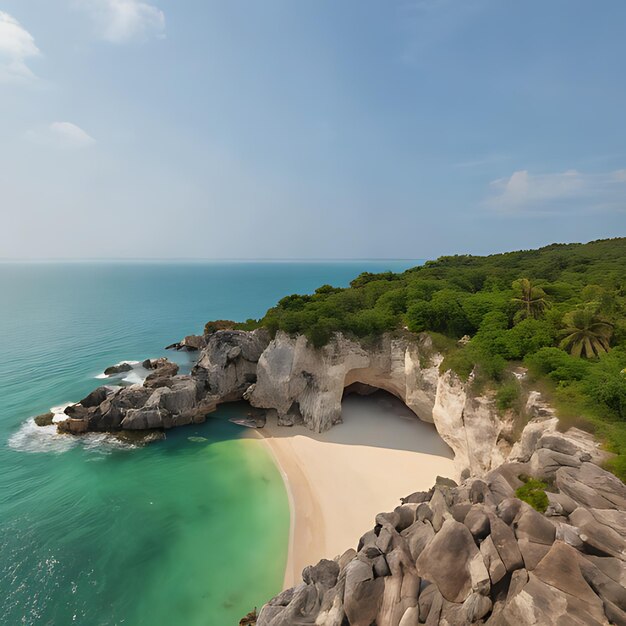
(338, 481)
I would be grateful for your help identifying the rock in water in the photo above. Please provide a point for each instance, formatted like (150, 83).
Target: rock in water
(44, 420)
(118, 369)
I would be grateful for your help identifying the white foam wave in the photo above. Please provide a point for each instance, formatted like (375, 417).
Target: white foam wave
(58, 412)
(135, 376)
(33, 438)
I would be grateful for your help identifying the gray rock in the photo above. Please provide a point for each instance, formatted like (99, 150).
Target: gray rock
(597, 538)
(98, 396)
(417, 497)
(363, 593)
(542, 604)
(560, 568)
(604, 586)
(459, 511)
(345, 558)
(283, 598)
(162, 375)
(532, 552)
(561, 503)
(324, 574)
(558, 443)
(430, 604)
(302, 609)
(505, 543)
(418, 536)
(228, 362)
(544, 463)
(442, 481)
(118, 369)
(511, 473)
(612, 567)
(592, 487)
(614, 613)
(142, 419)
(499, 488)
(477, 522)
(406, 516)
(452, 561)
(508, 510)
(381, 567)
(424, 512)
(410, 617)
(519, 578)
(478, 490)
(44, 420)
(569, 535)
(269, 615)
(492, 560)
(439, 507)
(476, 607)
(612, 518)
(533, 526)
(368, 539)
(193, 342)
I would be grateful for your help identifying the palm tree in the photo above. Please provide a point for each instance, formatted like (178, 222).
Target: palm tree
(586, 334)
(532, 301)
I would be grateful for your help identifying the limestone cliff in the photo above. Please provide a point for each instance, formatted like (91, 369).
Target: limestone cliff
(296, 382)
(305, 384)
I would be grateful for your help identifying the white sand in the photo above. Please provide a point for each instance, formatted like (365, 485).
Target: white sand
(340, 480)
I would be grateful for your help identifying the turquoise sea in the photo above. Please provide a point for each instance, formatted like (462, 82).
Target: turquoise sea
(191, 531)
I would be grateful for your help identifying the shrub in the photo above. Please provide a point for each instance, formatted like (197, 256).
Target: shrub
(508, 395)
(527, 337)
(558, 365)
(215, 325)
(533, 492)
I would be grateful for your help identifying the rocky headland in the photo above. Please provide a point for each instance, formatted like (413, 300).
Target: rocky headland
(467, 551)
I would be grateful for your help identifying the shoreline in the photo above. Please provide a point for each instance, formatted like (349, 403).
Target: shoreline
(339, 480)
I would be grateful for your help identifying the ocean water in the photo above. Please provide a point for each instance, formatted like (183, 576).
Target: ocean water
(189, 531)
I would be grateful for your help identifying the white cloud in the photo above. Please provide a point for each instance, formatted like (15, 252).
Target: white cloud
(64, 135)
(121, 21)
(16, 47)
(526, 193)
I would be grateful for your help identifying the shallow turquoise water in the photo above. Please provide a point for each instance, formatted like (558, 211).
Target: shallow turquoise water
(192, 530)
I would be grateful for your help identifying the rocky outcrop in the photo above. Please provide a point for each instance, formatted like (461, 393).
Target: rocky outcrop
(165, 400)
(227, 366)
(191, 343)
(475, 554)
(118, 369)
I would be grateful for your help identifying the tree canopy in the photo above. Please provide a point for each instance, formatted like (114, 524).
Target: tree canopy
(560, 309)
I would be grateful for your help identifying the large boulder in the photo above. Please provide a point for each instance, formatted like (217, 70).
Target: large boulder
(453, 562)
(592, 487)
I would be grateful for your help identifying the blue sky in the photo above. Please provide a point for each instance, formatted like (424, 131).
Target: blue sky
(295, 129)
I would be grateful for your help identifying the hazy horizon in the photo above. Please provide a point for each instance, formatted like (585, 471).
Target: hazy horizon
(158, 129)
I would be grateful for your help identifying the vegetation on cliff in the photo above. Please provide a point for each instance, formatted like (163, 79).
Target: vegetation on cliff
(560, 310)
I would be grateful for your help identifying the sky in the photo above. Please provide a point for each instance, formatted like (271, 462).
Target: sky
(309, 129)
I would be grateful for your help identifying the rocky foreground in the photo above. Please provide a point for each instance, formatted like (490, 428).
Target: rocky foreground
(475, 554)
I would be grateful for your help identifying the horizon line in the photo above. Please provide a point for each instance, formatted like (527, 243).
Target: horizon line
(199, 259)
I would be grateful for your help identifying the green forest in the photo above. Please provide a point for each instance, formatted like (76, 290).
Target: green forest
(559, 310)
